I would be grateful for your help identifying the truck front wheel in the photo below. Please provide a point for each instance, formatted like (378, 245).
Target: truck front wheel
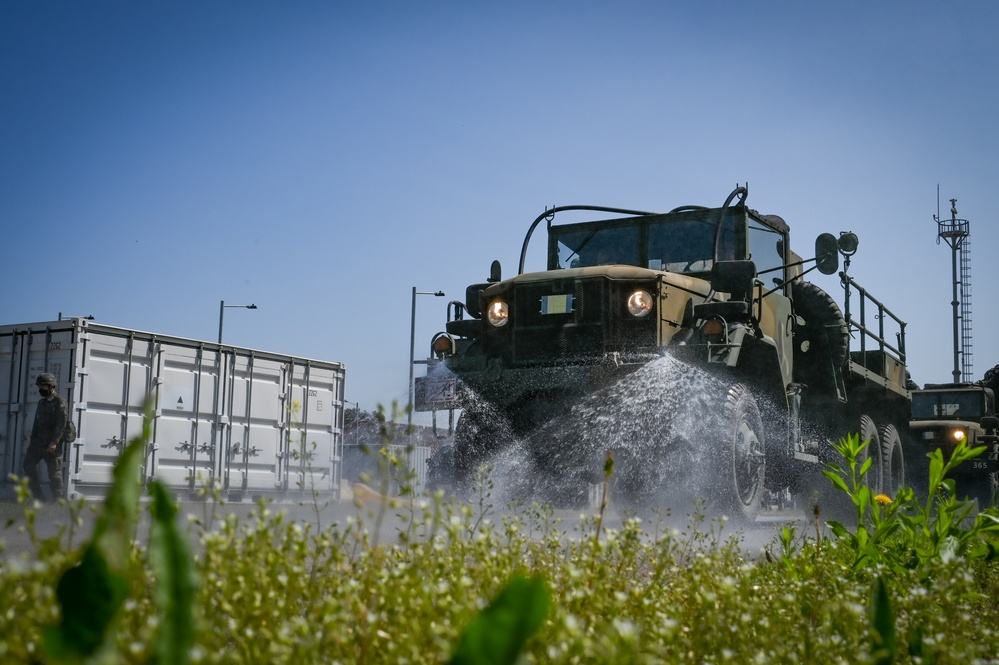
(481, 433)
(743, 459)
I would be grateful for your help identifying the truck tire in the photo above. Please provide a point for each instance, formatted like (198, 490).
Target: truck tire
(831, 502)
(628, 490)
(869, 432)
(440, 469)
(478, 436)
(742, 458)
(917, 468)
(892, 461)
(822, 341)
(635, 488)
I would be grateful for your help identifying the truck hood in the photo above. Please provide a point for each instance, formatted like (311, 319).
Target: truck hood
(697, 285)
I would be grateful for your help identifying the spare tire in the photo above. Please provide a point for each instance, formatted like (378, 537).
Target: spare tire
(991, 379)
(821, 339)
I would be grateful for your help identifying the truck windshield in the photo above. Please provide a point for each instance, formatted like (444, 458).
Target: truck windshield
(969, 405)
(599, 246)
(683, 242)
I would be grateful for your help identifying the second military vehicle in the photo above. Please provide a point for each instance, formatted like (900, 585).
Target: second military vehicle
(947, 414)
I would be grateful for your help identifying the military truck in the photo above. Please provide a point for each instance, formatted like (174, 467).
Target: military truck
(947, 414)
(537, 360)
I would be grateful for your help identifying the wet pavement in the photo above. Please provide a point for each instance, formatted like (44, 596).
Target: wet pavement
(52, 520)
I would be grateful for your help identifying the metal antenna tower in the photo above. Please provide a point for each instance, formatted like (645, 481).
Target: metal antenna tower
(956, 233)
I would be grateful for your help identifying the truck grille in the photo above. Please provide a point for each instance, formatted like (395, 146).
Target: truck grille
(567, 321)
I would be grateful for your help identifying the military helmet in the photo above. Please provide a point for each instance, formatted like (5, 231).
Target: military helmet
(46, 379)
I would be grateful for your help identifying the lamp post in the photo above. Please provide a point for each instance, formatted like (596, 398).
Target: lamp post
(222, 307)
(412, 350)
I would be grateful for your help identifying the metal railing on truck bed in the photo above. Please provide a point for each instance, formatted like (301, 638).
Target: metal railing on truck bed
(885, 362)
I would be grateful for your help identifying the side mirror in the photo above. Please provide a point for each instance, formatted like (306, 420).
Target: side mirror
(495, 272)
(827, 254)
(989, 423)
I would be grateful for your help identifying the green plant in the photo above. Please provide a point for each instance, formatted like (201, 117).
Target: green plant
(498, 633)
(92, 590)
(269, 588)
(903, 532)
(882, 620)
(176, 582)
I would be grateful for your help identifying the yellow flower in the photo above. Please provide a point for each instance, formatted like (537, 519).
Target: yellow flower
(883, 499)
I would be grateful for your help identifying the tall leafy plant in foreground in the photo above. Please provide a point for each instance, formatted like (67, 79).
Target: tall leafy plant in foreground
(902, 531)
(91, 592)
(905, 533)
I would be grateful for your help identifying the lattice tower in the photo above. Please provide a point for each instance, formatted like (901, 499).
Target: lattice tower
(956, 233)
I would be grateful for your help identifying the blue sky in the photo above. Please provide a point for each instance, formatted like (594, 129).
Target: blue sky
(320, 159)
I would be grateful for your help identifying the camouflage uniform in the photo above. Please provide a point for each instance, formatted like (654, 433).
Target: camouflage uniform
(51, 417)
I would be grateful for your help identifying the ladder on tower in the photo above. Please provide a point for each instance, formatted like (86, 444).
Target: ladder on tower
(967, 352)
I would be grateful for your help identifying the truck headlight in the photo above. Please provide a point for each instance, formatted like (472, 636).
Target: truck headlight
(498, 314)
(639, 304)
(958, 435)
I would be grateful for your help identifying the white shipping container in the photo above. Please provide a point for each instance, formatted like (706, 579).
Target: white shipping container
(248, 423)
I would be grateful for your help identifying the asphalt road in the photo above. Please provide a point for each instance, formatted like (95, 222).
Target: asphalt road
(51, 520)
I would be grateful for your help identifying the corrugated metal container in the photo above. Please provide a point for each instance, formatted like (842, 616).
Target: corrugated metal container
(247, 422)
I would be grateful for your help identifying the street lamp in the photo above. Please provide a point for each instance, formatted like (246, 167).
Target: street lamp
(222, 307)
(412, 350)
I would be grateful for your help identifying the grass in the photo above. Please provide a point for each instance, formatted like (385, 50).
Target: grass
(463, 583)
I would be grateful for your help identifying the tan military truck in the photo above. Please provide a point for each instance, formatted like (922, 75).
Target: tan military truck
(687, 344)
(947, 414)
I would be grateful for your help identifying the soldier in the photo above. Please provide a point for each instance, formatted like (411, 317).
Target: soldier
(47, 433)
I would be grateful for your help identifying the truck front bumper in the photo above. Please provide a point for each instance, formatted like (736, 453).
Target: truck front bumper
(504, 386)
